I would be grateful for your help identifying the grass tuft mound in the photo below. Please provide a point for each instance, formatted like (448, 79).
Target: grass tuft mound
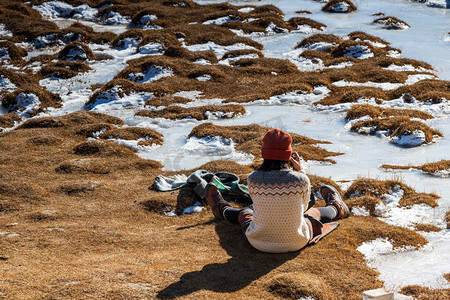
(359, 111)
(9, 120)
(439, 168)
(401, 129)
(198, 112)
(424, 293)
(76, 51)
(391, 23)
(387, 189)
(319, 38)
(296, 22)
(339, 6)
(166, 101)
(64, 69)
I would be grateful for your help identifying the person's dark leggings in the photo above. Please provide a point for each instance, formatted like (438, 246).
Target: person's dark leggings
(327, 214)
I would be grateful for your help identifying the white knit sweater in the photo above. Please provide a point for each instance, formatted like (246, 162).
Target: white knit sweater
(280, 198)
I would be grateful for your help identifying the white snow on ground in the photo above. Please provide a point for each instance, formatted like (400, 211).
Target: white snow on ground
(386, 85)
(145, 21)
(222, 20)
(4, 55)
(153, 73)
(416, 138)
(340, 7)
(58, 9)
(228, 60)
(360, 52)
(6, 85)
(26, 104)
(152, 49)
(219, 50)
(4, 31)
(246, 9)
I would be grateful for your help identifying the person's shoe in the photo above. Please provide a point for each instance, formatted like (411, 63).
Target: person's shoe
(332, 197)
(215, 200)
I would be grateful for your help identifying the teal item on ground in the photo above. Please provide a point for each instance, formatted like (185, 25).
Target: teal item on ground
(227, 183)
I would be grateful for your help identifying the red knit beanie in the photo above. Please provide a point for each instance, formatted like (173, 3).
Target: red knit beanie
(277, 145)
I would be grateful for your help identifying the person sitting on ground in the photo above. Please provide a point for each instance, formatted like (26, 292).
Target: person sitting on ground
(282, 218)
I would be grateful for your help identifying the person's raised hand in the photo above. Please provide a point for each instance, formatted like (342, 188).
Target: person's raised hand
(295, 161)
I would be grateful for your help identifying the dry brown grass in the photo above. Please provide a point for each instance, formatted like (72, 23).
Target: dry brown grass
(192, 56)
(397, 126)
(298, 21)
(8, 120)
(76, 51)
(198, 112)
(352, 94)
(447, 276)
(25, 23)
(425, 293)
(426, 227)
(425, 90)
(95, 213)
(306, 12)
(241, 52)
(319, 38)
(249, 139)
(432, 168)
(376, 188)
(15, 53)
(329, 7)
(64, 69)
(167, 101)
(358, 111)
(391, 22)
(362, 36)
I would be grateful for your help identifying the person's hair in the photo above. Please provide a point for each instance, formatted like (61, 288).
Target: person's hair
(270, 165)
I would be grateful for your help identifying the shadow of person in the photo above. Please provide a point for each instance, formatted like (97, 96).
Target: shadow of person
(245, 266)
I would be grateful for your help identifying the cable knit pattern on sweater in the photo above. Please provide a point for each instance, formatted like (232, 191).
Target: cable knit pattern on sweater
(280, 198)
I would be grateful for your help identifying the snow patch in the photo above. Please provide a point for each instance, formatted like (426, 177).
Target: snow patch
(219, 50)
(205, 77)
(152, 49)
(4, 31)
(416, 138)
(145, 22)
(4, 55)
(153, 73)
(360, 52)
(246, 9)
(26, 104)
(360, 211)
(216, 148)
(222, 20)
(340, 7)
(6, 85)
